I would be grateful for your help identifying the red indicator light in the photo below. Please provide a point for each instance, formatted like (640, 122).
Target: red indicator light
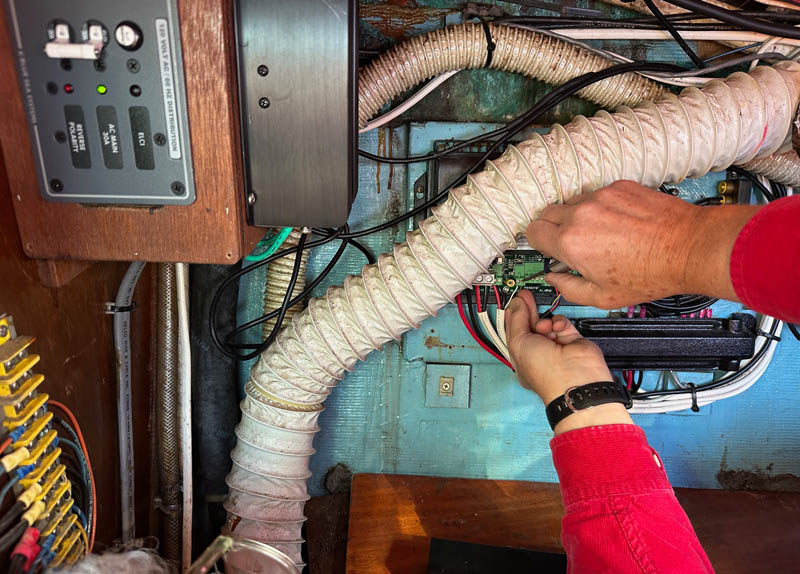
(68, 88)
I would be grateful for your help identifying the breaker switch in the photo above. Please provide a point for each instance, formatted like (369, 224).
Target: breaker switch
(60, 44)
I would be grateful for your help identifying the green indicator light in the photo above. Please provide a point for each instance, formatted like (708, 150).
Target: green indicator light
(101, 89)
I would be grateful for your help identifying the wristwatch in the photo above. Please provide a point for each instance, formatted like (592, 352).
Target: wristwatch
(585, 397)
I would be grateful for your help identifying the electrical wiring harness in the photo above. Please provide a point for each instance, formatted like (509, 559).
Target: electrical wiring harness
(45, 526)
(744, 117)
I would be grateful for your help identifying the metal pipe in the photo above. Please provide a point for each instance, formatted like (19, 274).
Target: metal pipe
(167, 406)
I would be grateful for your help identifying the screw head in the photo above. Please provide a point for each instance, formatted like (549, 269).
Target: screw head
(3, 330)
(177, 188)
(160, 139)
(251, 198)
(56, 185)
(60, 136)
(263, 103)
(263, 70)
(133, 65)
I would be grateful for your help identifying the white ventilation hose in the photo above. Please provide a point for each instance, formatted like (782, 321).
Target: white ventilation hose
(744, 117)
(524, 51)
(784, 168)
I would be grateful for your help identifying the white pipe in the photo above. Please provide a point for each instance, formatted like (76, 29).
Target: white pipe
(122, 347)
(185, 406)
(744, 117)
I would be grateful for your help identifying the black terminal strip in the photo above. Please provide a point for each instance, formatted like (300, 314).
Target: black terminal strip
(674, 344)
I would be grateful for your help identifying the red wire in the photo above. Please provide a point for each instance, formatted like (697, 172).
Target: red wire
(497, 297)
(63, 408)
(5, 444)
(475, 336)
(628, 378)
(478, 298)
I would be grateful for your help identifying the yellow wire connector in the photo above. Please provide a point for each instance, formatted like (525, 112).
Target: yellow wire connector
(13, 460)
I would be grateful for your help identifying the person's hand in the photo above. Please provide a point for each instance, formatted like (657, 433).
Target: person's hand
(632, 244)
(550, 356)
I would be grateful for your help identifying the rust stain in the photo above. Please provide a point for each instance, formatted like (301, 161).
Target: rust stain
(434, 341)
(381, 151)
(389, 154)
(395, 19)
(758, 480)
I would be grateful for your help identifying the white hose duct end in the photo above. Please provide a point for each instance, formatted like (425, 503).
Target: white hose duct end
(784, 168)
(663, 142)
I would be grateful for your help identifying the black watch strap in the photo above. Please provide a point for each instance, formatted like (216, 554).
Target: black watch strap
(587, 396)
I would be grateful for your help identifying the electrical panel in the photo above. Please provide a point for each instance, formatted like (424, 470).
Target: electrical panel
(297, 97)
(103, 87)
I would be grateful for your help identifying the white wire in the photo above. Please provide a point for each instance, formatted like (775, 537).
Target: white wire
(711, 35)
(483, 318)
(500, 319)
(409, 103)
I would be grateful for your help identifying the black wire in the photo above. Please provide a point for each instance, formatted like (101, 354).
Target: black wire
(219, 343)
(793, 328)
(736, 170)
(297, 298)
(679, 305)
(638, 384)
(675, 34)
(756, 24)
(17, 564)
(363, 249)
(12, 537)
(549, 101)
(11, 515)
(476, 324)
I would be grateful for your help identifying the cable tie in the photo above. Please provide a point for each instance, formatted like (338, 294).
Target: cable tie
(111, 308)
(490, 45)
(693, 388)
(768, 336)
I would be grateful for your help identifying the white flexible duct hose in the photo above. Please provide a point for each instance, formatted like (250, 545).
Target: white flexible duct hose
(784, 168)
(746, 116)
(279, 274)
(521, 50)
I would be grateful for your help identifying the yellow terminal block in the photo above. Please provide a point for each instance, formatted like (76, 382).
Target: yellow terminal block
(56, 520)
(15, 375)
(34, 429)
(37, 402)
(6, 328)
(44, 466)
(66, 546)
(76, 554)
(33, 513)
(52, 478)
(64, 529)
(10, 353)
(40, 446)
(63, 490)
(11, 461)
(32, 493)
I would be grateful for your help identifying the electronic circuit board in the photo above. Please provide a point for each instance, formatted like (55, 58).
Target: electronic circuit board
(515, 270)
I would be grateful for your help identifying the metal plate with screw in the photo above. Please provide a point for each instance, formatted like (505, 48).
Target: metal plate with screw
(447, 385)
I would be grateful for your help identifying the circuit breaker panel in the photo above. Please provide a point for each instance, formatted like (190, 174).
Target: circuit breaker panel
(103, 87)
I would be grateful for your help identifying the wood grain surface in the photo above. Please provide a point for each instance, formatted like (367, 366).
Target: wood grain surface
(74, 338)
(394, 517)
(212, 230)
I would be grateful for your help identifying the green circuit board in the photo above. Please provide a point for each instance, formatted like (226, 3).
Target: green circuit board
(514, 270)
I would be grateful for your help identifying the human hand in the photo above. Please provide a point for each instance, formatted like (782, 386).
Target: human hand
(632, 244)
(550, 356)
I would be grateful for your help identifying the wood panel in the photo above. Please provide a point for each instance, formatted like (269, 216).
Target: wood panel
(394, 517)
(211, 230)
(75, 341)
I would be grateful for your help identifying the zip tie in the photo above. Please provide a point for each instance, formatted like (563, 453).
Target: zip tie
(111, 308)
(693, 388)
(490, 45)
(768, 336)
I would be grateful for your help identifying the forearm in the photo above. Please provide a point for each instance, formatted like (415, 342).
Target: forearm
(621, 513)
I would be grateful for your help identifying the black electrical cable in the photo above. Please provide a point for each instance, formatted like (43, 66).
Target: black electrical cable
(793, 328)
(679, 305)
(11, 515)
(12, 537)
(17, 564)
(736, 170)
(638, 384)
(219, 343)
(675, 34)
(476, 324)
(556, 23)
(297, 298)
(755, 24)
(549, 101)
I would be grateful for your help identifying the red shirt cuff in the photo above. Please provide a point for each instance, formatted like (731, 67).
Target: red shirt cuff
(610, 460)
(765, 261)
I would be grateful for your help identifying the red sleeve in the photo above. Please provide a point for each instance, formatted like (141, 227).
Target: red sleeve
(622, 516)
(765, 263)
